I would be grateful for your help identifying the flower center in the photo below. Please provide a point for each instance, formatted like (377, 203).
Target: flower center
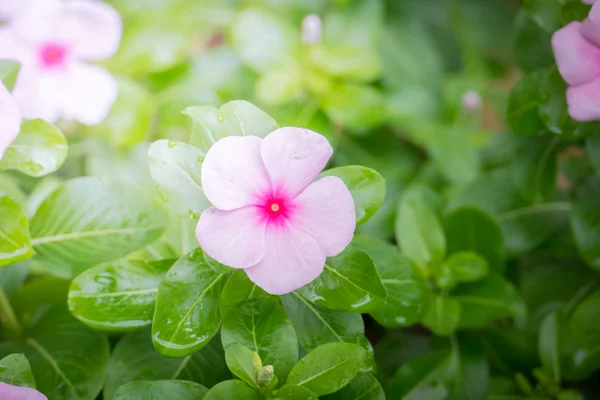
(53, 55)
(275, 207)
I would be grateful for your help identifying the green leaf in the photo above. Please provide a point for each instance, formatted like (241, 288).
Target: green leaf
(12, 277)
(315, 325)
(532, 43)
(187, 306)
(472, 378)
(131, 116)
(39, 149)
(460, 268)
(241, 118)
(550, 340)
(349, 282)
(15, 370)
(346, 62)
(232, 390)
(535, 167)
(159, 390)
(40, 191)
(134, 358)
(408, 294)
(328, 368)
(471, 229)
(15, 244)
(353, 105)
(263, 326)
(488, 300)
(366, 185)
(585, 222)
(363, 387)
(88, 221)
(295, 392)
(443, 315)
(238, 289)
(522, 114)
(263, 40)
(280, 86)
(9, 69)
(422, 377)
(54, 351)
(241, 362)
(175, 168)
(204, 126)
(419, 233)
(118, 296)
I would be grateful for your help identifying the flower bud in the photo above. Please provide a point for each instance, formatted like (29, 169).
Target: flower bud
(471, 102)
(312, 29)
(265, 375)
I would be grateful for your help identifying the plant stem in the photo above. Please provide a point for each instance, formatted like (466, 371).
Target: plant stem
(7, 315)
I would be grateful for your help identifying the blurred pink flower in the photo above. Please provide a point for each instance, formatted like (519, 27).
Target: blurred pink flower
(10, 120)
(269, 217)
(10, 392)
(577, 52)
(53, 40)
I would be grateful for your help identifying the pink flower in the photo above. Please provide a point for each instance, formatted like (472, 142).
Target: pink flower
(10, 119)
(10, 392)
(577, 52)
(269, 217)
(53, 40)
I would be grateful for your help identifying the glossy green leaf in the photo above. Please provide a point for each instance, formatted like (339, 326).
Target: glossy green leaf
(15, 370)
(130, 119)
(40, 191)
(367, 187)
(461, 268)
(204, 126)
(592, 146)
(175, 168)
(363, 387)
(550, 344)
(158, 390)
(443, 315)
(12, 277)
(39, 149)
(356, 106)
(423, 377)
(15, 244)
(187, 306)
(241, 118)
(349, 282)
(9, 187)
(585, 222)
(263, 40)
(354, 63)
(532, 43)
(9, 69)
(238, 289)
(280, 86)
(488, 300)
(471, 229)
(54, 351)
(408, 294)
(315, 325)
(419, 233)
(232, 390)
(472, 378)
(522, 114)
(535, 168)
(241, 362)
(263, 326)
(116, 219)
(328, 368)
(134, 358)
(117, 296)
(295, 392)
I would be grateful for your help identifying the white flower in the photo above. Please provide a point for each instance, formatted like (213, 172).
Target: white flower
(10, 119)
(312, 29)
(53, 40)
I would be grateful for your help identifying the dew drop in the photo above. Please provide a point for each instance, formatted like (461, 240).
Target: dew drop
(220, 118)
(201, 159)
(171, 144)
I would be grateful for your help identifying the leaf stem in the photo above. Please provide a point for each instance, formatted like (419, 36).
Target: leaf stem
(581, 294)
(7, 315)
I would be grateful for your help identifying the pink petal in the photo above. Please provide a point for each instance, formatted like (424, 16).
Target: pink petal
(325, 210)
(578, 60)
(292, 259)
(10, 392)
(294, 157)
(95, 26)
(584, 101)
(234, 238)
(38, 95)
(10, 119)
(233, 173)
(591, 25)
(87, 94)
(38, 23)
(10, 9)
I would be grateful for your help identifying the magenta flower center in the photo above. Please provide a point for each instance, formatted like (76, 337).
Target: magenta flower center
(275, 208)
(53, 55)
